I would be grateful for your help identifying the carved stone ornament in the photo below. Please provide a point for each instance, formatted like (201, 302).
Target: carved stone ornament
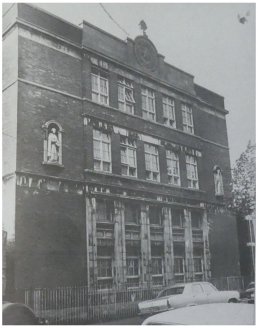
(145, 52)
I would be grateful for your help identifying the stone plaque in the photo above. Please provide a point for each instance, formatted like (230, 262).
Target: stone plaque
(145, 52)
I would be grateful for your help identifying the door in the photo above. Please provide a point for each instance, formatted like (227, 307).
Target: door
(198, 294)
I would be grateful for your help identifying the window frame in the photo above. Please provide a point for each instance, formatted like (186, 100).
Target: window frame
(159, 266)
(99, 75)
(187, 118)
(127, 146)
(151, 154)
(126, 85)
(101, 141)
(105, 258)
(168, 104)
(150, 97)
(173, 160)
(133, 258)
(109, 210)
(192, 164)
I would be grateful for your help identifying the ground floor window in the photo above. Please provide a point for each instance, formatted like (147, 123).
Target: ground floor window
(157, 265)
(104, 267)
(132, 266)
(104, 210)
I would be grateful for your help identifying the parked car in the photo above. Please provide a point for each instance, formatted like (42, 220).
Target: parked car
(206, 314)
(188, 294)
(19, 314)
(248, 295)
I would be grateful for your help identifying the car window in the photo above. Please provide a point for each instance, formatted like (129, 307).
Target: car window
(251, 285)
(175, 291)
(208, 288)
(162, 293)
(197, 289)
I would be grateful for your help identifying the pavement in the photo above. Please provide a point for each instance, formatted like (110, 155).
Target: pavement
(135, 321)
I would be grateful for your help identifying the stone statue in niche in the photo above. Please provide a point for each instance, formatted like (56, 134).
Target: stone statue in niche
(218, 180)
(53, 146)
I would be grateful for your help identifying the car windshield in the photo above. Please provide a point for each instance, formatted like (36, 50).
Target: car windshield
(171, 291)
(251, 285)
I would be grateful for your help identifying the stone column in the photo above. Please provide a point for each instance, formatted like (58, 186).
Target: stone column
(145, 244)
(168, 245)
(119, 243)
(189, 265)
(91, 241)
(206, 248)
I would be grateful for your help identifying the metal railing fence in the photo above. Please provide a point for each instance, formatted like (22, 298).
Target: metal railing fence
(81, 305)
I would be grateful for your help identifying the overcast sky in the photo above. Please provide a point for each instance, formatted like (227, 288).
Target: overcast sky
(205, 40)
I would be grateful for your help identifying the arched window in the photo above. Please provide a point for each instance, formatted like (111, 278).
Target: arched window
(52, 143)
(218, 181)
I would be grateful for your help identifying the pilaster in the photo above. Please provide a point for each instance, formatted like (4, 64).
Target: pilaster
(145, 244)
(188, 246)
(206, 255)
(119, 242)
(168, 246)
(91, 241)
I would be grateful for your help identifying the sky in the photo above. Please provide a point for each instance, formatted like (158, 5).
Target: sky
(203, 39)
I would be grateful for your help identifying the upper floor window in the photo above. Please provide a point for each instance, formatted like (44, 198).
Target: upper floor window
(155, 215)
(128, 156)
(169, 111)
(52, 143)
(132, 213)
(192, 172)
(99, 86)
(187, 114)
(148, 104)
(173, 168)
(177, 218)
(125, 95)
(101, 151)
(151, 162)
(196, 219)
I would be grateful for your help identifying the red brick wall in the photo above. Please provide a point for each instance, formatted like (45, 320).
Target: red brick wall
(50, 238)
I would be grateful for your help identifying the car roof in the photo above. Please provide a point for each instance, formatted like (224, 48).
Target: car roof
(207, 314)
(186, 284)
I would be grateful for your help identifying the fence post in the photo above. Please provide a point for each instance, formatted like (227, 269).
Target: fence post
(228, 282)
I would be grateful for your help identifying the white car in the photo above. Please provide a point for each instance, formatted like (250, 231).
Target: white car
(206, 314)
(188, 294)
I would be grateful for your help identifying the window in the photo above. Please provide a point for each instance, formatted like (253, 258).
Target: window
(132, 213)
(128, 156)
(197, 265)
(104, 268)
(99, 86)
(125, 95)
(171, 291)
(151, 162)
(192, 173)
(187, 115)
(157, 266)
(169, 111)
(208, 288)
(148, 104)
(132, 266)
(177, 218)
(104, 210)
(179, 265)
(173, 168)
(196, 218)
(155, 215)
(197, 289)
(102, 151)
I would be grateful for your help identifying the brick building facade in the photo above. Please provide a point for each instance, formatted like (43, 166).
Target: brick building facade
(116, 164)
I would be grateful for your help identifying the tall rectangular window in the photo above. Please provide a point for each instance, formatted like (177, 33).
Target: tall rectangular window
(148, 104)
(132, 213)
(128, 156)
(173, 168)
(157, 266)
(169, 111)
(132, 266)
(101, 151)
(152, 162)
(192, 172)
(179, 265)
(125, 95)
(187, 115)
(104, 210)
(198, 265)
(104, 267)
(99, 86)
